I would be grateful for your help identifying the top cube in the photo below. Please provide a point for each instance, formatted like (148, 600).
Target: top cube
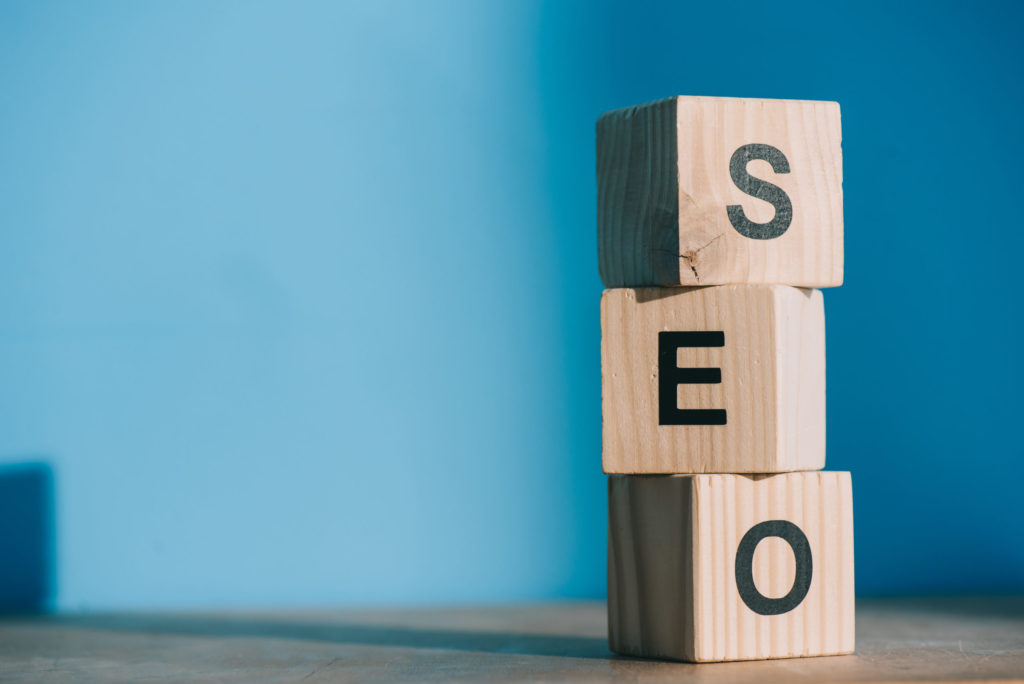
(716, 191)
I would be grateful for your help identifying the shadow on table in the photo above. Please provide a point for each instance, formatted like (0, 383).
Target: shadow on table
(351, 633)
(516, 643)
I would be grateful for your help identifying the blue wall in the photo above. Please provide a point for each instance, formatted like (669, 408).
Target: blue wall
(300, 303)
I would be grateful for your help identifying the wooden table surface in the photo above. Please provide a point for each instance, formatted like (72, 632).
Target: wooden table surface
(897, 640)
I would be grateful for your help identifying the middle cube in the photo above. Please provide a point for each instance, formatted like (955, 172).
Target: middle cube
(727, 379)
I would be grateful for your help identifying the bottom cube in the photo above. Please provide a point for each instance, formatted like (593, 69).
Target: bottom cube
(730, 567)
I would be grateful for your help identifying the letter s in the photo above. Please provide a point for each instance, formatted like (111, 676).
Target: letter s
(763, 190)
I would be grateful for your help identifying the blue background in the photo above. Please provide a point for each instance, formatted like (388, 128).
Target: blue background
(299, 302)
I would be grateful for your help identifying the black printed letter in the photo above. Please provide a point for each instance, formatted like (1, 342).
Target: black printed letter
(755, 600)
(670, 376)
(755, 187)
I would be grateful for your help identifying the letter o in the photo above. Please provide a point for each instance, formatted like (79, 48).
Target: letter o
(797, 540)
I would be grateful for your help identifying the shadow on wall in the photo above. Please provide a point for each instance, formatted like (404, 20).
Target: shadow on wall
(27, 541)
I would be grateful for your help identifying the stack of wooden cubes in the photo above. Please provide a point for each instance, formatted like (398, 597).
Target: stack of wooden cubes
(717, 220)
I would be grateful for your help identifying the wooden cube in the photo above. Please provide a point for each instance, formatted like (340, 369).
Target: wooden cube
(712, 191)
(730, 567)
(727, 379)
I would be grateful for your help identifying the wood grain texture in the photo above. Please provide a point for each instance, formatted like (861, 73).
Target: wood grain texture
(638, 203)
(672, 577)
(664, 185)
(772, 380)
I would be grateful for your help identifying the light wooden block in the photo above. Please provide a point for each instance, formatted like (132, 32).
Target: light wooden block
(761, 394)
(712, 190)
(730, 567)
